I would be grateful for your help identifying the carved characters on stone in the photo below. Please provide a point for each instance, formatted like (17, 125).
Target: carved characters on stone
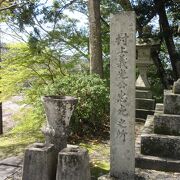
(122, 98)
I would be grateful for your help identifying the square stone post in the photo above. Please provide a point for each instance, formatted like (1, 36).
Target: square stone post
(122, 95)
(39, 162)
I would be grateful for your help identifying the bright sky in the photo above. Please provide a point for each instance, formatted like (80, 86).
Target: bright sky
(6, 31)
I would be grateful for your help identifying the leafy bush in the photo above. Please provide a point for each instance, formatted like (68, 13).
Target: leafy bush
(93, 100)
(91, 112)
(35, 75)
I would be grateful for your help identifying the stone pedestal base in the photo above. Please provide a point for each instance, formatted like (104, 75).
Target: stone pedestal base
(73, 164)
(39, 163)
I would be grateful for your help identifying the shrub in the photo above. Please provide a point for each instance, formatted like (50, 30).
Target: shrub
(93, 100)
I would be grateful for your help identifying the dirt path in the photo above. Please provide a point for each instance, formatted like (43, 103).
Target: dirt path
(9, 108)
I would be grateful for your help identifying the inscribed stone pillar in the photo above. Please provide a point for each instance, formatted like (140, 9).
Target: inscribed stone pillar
(122, 95)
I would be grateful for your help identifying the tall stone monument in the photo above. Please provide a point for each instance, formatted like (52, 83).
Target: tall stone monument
(122, 95)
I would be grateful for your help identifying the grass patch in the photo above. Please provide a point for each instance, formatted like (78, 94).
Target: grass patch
(99, 158)
(26, 132)
(14, 144)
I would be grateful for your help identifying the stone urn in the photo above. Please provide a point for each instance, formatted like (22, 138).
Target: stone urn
(58, 111)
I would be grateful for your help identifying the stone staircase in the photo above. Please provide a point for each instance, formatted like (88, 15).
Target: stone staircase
(160, 139)
(145, 105)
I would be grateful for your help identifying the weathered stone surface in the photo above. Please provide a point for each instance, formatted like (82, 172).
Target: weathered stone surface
(159, 145)
(143, 94)
(159, 107)
(142, 80)
(148, 104)
(73, 164)
(6, 171)
(15, 161)
(153, 162)
(122, 95)
(176, 87)
(148, 174)
(157, 163)
(58, 112)
(149, 125)
(171, 103)
(39, 162)
(143, 113)
(167, 124)
(144, 60)
(107, 177)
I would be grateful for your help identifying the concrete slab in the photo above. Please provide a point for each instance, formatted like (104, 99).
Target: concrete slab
(12, 161)
(6, 171)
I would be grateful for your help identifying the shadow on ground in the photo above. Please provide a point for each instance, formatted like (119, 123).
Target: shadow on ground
(97, 172)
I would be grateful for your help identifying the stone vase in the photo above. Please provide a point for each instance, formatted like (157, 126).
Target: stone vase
(58, 111)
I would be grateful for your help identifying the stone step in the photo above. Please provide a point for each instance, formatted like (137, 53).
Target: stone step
(140, 120)
(167, 124)
(148, 104)
(159, 145)
(143, 94)
(159, 107)
(156, 163)
(171, 103)
(143, 113)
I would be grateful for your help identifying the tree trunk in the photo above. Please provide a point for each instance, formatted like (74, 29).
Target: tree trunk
(96, 63)
(167, 35)
(160, 69)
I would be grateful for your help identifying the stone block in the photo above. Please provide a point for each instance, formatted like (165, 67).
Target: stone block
(143, 94)
(143, 113)
(148, 104)
(39, 162)
(167, 124)
(159, 107)
(157, 163)
(159, 145)
(176, 87)
(171, 103)
(73, 164)
(154, 162)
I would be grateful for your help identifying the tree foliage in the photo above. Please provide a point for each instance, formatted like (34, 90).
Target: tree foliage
(56, 46)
